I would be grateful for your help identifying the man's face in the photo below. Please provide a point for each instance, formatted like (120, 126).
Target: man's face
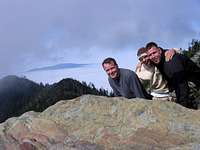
(111, 69)
(154, 54)
(144, 59)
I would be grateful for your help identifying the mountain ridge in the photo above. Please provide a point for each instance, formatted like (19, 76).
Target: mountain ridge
(19, 94)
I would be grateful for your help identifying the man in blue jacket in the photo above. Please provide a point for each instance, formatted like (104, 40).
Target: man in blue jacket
(177, 71)
(124, 82)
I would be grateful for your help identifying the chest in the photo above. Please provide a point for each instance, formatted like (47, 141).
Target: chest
(124, 88)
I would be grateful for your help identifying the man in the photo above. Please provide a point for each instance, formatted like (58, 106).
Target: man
(177, 71)
(124, 82)
(151, 77)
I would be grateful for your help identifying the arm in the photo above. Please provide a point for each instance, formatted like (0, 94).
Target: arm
(170, 53)
(138, 71)
(115, 91)
(179, 80)
(137, 88)
(181, 88)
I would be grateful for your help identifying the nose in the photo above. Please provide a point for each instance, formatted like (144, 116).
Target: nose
(151, 56)
(109, 71)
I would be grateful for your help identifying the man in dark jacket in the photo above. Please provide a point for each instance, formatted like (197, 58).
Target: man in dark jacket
(177, 71)
(124, 82)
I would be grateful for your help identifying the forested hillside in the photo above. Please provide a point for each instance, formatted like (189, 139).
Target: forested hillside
(18, 95)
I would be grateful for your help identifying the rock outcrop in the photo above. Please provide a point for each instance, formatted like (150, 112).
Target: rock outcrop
(195, 90)
(196, 58)
(101, 123)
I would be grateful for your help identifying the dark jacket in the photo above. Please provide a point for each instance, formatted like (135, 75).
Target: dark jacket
(178, 71)
(128, 85)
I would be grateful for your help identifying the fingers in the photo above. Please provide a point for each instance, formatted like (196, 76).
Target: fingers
(169, 54)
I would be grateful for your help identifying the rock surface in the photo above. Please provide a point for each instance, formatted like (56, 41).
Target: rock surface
(101, 123)
(196, 58)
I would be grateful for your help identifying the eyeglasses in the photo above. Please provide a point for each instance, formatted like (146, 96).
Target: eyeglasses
(141, 58)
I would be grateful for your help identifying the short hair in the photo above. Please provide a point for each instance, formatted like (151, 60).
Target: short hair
(150, 45)
(141, 51)
(109, 60)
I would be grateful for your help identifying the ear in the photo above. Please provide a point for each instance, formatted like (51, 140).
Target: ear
(160, 51)
(103, 66)
(117, 66)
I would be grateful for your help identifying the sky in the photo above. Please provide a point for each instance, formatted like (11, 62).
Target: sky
(45, 33)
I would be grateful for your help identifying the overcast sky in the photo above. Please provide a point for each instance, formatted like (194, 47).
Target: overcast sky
(40, 33)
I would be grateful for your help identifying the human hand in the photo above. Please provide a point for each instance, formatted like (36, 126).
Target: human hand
(169, 54)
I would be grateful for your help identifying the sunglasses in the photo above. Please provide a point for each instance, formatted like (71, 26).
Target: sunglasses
(141, 58)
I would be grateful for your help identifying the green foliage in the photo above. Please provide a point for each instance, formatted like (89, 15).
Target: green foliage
(193, 48)
(188, 53)
(194, 94)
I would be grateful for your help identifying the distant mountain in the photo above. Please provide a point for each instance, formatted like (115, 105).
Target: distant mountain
(18, 95)
(59, 66)
(15, 92)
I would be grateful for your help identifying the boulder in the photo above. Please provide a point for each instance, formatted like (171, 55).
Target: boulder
(196, 58)
(101, 123)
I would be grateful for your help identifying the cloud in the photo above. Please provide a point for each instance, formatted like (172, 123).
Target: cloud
(59, 67)
(43, 33)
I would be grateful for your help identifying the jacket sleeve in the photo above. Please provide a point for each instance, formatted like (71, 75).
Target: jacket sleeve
(115, 91)
(137, 88)
(179, 81)
(181, 88)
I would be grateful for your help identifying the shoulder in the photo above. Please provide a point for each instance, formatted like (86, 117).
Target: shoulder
(176, 58)
(127, 73)
(176, 64)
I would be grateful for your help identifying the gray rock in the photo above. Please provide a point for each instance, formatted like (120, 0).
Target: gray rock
(97, 123)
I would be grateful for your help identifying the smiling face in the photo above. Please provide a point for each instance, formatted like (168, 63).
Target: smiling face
(144, 59)
(154, 54)
(111, 69)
